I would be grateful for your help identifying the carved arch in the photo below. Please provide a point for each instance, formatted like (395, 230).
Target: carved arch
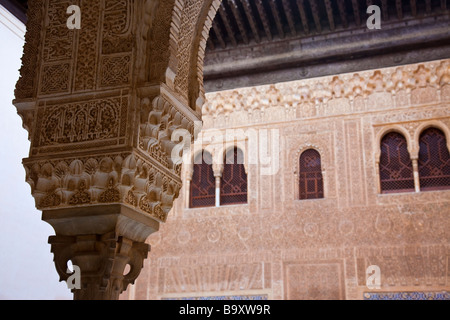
(393, 128)
(324, 159)
(304, 148)
(197, 30)
(430, 124)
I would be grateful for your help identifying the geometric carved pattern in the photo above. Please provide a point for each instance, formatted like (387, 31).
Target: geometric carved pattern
(311, 180)
(115, 70)
(86, 66)
(57, 50)
(27, 83)
(434, 160)
(55, 78)
(190, 14)
(317, 281)
(203, 187)
(233, 184)
(396, 172)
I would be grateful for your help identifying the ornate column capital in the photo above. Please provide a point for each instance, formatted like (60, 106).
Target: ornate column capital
(101, 240)
(102, 260)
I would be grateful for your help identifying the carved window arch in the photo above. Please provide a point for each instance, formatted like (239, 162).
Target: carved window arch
(434, 160)
(233, 183)
(202, 188)
(310, 175)
(396, 169)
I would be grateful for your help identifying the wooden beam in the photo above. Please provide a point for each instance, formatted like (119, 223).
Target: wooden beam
(316, 16)
(385, 9)
(226, 22)
(343, 13)
(428, 5)
(413, 7)
(444, 4)
(330, 14)
(276, 15)
(210, 42)
(356, 12)
(239, 21)
(301, 9)
(290, 17)
(251, 19)
(218, 34)
(264, 19)
(398, 4)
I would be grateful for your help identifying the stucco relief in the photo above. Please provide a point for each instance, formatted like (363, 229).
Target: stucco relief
(104, 161)
(353, 226)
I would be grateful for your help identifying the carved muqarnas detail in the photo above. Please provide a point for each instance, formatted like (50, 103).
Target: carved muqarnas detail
(80, 196)
(364, 91)
(132, 181)
(158, 123)
(80, 122)
(131, 198)
(51, 200)
(149, 205)
(111, 194)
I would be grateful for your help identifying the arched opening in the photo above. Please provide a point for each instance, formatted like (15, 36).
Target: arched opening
(233, 184)
(396, 169)
(434, 160)
(202, 188)
(310, 175)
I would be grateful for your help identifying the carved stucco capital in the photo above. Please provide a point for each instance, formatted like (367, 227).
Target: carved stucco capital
(102, 260)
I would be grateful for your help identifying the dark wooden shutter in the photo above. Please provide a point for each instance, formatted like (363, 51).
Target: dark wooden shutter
(396, 171)
(434, 160)
(310, 175)
(203, 186)
(233, 186)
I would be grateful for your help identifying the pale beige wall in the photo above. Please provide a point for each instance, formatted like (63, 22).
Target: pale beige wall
(285, 248)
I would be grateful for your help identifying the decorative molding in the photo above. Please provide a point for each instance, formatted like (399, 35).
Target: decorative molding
(117, 178)
(328, 96)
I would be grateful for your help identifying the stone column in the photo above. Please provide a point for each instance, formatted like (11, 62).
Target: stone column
(416, 173)
(100, 167)
(218, 170)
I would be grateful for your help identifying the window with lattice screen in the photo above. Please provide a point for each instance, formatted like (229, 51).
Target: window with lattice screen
(203, 186)
(233, 184)
(396, 170)
(310, 175)
(434, 160)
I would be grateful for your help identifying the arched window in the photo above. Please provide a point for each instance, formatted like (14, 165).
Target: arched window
(396, 170)
(310, 175)
(434, 160)
(233, 184)
(203, 186)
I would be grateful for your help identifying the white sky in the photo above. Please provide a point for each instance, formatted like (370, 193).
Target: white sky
(27, 271)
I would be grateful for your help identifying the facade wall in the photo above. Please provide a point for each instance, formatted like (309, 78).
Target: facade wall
(279, 247)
